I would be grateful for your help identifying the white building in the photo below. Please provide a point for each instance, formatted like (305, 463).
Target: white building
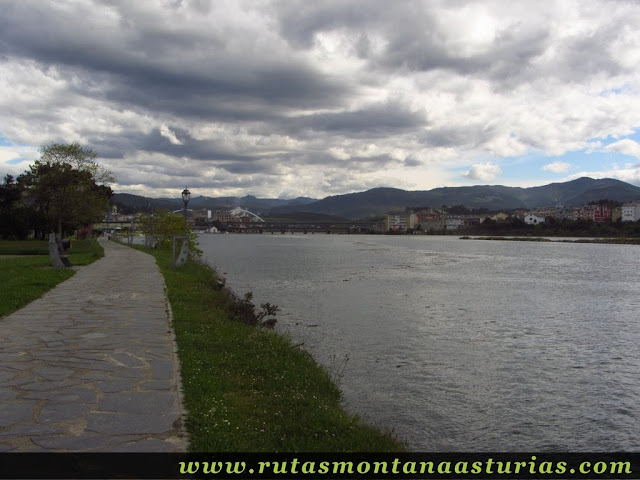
(531, 219)
(631, 212)
(454, 223)
(397, 221)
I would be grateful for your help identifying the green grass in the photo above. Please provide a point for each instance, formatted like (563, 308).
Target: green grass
(249, 388)
(618, 241)
(512, 239)
(24, 247)
(27, 278)
(84, 252)
(613, 241)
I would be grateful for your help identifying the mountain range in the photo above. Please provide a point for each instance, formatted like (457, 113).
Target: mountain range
(378, 201)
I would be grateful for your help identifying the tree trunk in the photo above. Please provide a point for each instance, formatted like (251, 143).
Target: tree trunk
(61, 251)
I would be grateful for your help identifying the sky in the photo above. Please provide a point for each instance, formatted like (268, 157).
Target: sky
(291, 98)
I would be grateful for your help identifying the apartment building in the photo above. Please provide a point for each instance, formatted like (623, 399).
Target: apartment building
(397, 222)
(601, 213)
(631, 212)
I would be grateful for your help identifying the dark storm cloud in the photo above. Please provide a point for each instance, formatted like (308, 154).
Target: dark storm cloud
(229, 91)
(412, 162)
(375, 120)
(471, 136)
(195, 150)
(413, 38)
(311, 96)
(148, 67)
(138, 66)
(300, 20)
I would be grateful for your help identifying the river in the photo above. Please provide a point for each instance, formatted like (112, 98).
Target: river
(460, 345)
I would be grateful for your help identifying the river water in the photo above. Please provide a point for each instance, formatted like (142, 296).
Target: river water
(460, 345)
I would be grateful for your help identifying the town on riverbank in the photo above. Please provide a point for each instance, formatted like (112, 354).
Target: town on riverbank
(596, 219)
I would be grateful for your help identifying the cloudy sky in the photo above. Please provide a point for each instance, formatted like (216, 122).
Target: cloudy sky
(315, 98)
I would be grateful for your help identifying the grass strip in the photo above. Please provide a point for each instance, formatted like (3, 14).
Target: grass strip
(24, 279)
(24, 247)
(608, 241)
(249, 389)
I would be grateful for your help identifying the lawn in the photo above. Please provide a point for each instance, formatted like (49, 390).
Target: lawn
(24, 247)
(26, 278)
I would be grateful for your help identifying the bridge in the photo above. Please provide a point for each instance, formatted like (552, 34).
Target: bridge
(241, 212)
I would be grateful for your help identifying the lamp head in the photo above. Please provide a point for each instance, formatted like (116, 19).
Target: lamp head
(186, 195)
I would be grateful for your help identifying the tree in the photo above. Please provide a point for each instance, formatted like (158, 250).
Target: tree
(606, 202)
(163, 226)
(458, 210)
(66, 187)
(14, 215)
(82, 159)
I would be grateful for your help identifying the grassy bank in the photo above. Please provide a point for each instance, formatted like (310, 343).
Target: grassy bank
(26, 278)
(249, 388)
(612, 241)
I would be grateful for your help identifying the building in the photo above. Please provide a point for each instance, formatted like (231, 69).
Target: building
(224, 216)
(583, 213)
(500, 217)
(601, 213)
(597, 213)
(616, 214)
(564, 213)
(433, 225)
(631, 212)
(425, 215)
(397, 222)
(472, 220)
(531, 219)
(454, 223)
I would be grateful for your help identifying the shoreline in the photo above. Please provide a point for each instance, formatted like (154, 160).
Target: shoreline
(248, 387)
(608, 241)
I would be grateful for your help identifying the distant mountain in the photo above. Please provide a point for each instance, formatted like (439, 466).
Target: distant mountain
(579, 192)
(249, 202)
(379, 201)
(128, 202)
(494, 197)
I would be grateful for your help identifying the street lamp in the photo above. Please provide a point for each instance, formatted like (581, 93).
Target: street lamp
(186, 196)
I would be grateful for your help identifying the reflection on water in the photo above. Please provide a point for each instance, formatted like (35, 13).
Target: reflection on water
(461, 345)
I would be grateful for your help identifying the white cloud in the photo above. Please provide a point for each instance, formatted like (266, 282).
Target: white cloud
(334, 94)
(625, 146)
(167, 133)
(628, 173)
(483, 171)
(557, 167)
(15, 160)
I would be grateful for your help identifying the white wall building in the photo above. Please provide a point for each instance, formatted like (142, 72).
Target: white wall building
(631, 212)
(396, 222)
(531, 219)
(454, 223)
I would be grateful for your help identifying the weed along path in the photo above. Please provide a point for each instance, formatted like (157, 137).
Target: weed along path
(91, 365)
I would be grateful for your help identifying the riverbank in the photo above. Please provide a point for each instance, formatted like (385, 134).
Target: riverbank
(612, 241)
(249, 388)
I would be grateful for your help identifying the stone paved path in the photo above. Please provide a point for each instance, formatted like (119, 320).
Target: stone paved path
(91, 366)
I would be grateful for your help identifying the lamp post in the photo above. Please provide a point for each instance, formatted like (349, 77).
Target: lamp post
(184, 251)
(186, 196)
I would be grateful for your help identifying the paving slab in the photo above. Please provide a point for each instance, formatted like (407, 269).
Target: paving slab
(92, 365)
